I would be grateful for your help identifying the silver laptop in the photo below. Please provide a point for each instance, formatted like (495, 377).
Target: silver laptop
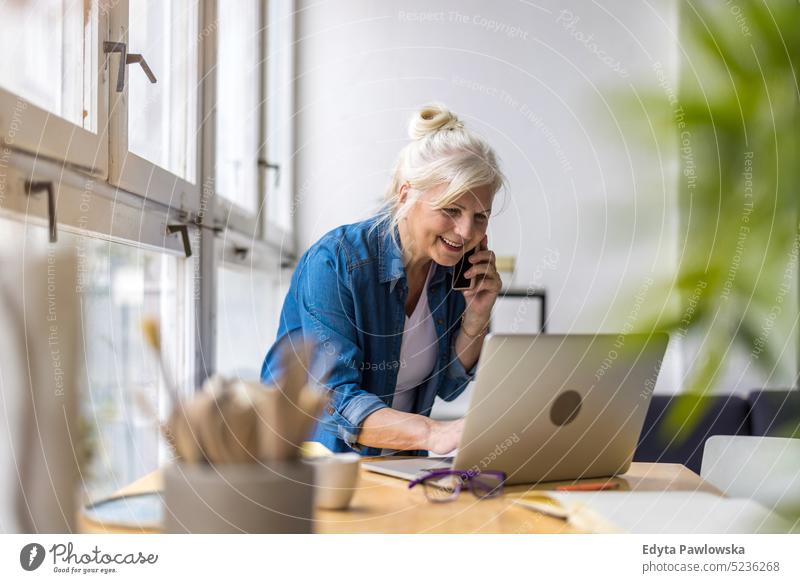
(552, 407)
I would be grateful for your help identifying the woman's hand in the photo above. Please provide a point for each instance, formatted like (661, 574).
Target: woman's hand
(444, 436)
(483, 293)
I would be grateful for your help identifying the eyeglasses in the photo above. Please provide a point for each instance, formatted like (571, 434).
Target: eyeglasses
(446, 485)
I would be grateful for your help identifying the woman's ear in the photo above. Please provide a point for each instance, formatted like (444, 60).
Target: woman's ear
(403, 192)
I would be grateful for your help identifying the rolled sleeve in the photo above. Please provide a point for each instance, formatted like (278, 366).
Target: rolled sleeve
(326, 310)
(351, 418)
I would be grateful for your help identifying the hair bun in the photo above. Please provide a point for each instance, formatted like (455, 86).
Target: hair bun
(431, 119)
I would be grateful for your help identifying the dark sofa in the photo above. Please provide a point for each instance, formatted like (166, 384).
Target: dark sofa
(767, 412)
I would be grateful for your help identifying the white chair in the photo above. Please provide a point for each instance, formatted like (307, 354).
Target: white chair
(764, 469)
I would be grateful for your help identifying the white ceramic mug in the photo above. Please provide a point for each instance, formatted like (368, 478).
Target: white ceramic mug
(335, 480)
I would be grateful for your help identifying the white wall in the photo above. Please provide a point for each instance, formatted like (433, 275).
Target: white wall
(532, 79)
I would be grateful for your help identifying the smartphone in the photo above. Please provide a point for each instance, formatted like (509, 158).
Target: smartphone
(460, 282)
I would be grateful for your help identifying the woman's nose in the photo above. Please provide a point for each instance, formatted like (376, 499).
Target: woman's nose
(465, 228)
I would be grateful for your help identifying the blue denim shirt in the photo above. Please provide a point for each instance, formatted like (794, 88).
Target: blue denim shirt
(347, 297)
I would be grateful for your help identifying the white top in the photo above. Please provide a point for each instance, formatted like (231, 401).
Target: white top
(418, 352)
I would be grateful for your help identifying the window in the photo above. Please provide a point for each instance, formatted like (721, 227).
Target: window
(278, 136)
(117, 285)
(52, 98)
(154, 123)
(238, 77)
(121, 161)
(120, 286)
(250, 292)
(47, 66)
(162, 116)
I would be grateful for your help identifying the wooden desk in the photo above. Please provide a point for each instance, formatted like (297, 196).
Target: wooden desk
(384, 504)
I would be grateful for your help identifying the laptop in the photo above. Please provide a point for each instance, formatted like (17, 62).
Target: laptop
(552, 407)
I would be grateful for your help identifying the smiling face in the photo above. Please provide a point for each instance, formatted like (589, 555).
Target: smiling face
(445, 234)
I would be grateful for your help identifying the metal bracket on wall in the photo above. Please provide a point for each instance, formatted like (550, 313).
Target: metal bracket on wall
(31, 188)
(184, 231)
(126, 59)
(272, 166)
(241, 252)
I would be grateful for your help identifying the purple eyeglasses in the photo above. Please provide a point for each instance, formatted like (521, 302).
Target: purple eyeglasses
(446, 485)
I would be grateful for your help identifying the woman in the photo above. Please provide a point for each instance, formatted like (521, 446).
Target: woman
(376, 297)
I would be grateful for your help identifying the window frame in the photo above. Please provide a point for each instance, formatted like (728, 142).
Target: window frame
(93, 210)
(50, 136)
(128, 170)
(227, 212)
(236, 252)
(139, 211)
(223, 212)
(95, 197)
(273, 233)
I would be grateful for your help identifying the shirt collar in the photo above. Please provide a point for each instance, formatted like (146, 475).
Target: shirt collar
(390, 261)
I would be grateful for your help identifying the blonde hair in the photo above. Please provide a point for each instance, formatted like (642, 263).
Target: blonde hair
(441, 151)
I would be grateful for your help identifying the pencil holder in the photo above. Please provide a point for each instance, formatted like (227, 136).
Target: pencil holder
(269, 498)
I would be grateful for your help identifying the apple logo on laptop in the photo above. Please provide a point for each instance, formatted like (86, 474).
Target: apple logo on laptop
(565, 408)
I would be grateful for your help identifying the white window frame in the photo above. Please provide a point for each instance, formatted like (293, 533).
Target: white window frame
(128, 170)
(225, 212)
(271, 232)
(50, 136)
(93, 209)
(238, 252)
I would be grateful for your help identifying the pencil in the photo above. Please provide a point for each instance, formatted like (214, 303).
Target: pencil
(594, 486)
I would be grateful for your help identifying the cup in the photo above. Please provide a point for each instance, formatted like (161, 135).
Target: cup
(335, 480)
(266, 498)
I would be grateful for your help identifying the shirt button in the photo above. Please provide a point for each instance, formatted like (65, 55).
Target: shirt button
(440, 321)
(329, 409)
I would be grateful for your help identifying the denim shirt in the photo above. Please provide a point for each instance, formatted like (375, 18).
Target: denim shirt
(347, 297)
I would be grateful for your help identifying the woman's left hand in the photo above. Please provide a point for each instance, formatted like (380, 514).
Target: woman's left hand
(486, 284)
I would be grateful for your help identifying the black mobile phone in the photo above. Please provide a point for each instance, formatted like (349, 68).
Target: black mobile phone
(460, 282)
